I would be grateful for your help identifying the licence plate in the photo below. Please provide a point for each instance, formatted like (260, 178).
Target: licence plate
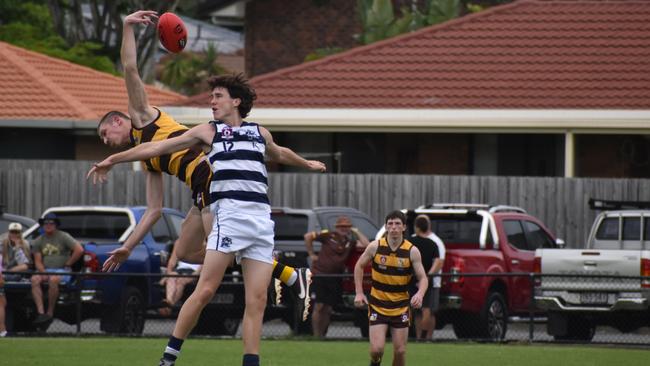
(593, 298)
(223, 298)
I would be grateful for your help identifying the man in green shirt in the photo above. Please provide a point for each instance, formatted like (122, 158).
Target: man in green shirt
(54, 251)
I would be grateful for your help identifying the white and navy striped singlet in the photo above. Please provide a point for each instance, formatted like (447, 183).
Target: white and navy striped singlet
(239, 179)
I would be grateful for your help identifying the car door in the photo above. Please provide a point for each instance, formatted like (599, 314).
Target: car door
(519, 259)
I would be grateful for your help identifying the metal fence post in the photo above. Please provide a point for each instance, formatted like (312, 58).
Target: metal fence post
(531, 308)
(78, 304)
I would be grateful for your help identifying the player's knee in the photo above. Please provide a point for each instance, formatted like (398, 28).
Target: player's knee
(204, 295)
(36, 280)
(256, 299)
(55, 280)
(400, 350)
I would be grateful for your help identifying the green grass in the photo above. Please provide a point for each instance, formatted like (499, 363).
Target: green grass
(145, 351)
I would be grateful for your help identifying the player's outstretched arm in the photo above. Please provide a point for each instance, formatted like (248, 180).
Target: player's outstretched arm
(139, 109)
(198, 136)
(286, 156)
(151, 215)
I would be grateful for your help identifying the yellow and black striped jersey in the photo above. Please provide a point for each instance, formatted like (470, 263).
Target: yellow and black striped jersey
(188, 165)
(391, 275)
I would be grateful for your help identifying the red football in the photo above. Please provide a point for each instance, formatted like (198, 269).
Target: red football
(172, 32)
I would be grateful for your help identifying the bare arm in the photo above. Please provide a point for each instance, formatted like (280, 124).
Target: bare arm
(199, 135)
(365, 258)
(436, 267)
(77, 252)
(286, 156)
(139, 109)
(149, 218)
(19, 268)
(363, 240)
(38, 262)
(423, 282)
(309, 244)
(173, 260)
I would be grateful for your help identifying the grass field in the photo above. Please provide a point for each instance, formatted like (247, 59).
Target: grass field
(145, 351)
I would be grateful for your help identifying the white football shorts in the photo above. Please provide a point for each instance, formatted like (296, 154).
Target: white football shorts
(246, 235)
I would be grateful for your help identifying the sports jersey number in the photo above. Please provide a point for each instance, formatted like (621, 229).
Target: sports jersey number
(227, 145)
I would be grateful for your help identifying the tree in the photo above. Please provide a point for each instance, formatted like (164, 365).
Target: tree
(187, 72)
(379, 21)
(105, 26)
(29, 25)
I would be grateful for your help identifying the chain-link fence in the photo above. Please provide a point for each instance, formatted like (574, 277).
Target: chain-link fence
(489, 307)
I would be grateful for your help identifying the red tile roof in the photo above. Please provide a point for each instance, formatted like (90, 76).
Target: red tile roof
(39, 87)
(530, 54)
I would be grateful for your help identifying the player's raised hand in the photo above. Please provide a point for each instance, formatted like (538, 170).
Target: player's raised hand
(316, 165)
(141, 17)
(99, 171)
(117, 257)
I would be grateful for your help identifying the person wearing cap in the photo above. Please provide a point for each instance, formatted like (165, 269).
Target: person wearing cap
(335, 248)
(54, 251)
(15, 250)
(14, 257)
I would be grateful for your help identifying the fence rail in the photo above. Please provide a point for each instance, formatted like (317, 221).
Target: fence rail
(534, 322)
(29, 187)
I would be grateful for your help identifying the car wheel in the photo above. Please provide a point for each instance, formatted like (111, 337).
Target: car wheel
(210, 323)
(128, 316)
(493, 322)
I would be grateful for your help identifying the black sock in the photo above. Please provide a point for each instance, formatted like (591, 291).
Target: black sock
(251, 360)
(173, 348)
(375, 363)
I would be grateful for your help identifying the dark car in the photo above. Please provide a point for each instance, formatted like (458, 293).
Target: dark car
(7, 218)
(290, 227)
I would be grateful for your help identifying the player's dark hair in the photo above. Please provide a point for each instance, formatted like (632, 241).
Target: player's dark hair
(108, 116)
(422, 223)
(238, 88)
(396, 215)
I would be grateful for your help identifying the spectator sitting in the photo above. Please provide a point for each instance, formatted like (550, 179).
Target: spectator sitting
(14, 254)
(175, 286)
(54, 251)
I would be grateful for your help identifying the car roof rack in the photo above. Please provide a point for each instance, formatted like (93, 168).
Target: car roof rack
(474, 207)
(598, 204)
(505, 208)
(455, 205)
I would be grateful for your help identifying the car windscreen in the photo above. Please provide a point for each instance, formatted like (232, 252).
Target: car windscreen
(94, 226)
(456, 229)
(4, 224)
(289, 226)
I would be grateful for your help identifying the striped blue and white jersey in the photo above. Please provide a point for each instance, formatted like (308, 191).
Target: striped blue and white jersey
(239, 179)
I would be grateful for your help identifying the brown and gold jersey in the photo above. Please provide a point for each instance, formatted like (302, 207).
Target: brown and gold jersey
(188, 165)
(391, 275)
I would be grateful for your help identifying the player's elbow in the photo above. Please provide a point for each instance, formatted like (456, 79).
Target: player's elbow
(154, 212)
(130, 67)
